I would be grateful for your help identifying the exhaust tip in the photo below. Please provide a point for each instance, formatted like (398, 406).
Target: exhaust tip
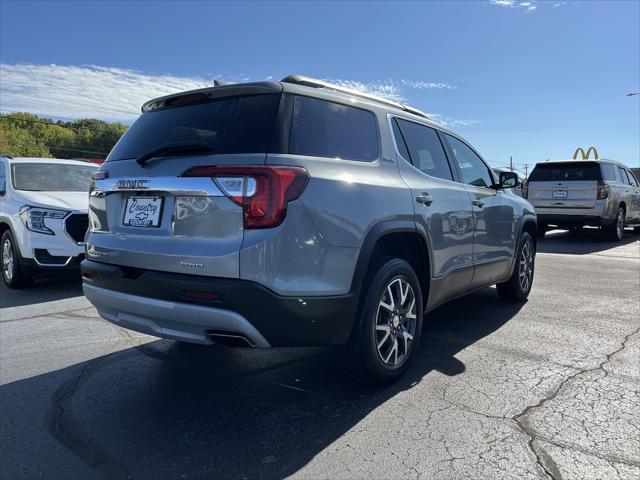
(229, 339)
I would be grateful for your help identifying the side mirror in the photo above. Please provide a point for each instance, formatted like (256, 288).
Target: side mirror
(508, 180)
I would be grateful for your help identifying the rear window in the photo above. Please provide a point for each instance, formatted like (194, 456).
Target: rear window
(326, 129)
(559, 172)
(228, 125)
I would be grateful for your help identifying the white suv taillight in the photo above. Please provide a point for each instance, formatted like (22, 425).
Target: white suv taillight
(525, 190)
(262, 191)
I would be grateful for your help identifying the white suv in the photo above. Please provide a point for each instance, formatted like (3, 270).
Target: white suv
(43, 216)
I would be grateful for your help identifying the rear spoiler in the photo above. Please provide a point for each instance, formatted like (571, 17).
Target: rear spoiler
(217, 91)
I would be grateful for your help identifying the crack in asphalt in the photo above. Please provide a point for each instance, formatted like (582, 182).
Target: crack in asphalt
(544, 460)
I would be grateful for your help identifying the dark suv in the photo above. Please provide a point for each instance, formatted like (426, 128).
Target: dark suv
(298, 213)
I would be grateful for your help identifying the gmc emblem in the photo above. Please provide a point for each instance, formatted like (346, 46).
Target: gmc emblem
(132, 184)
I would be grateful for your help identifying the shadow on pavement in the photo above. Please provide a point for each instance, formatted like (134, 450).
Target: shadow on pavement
(166, 410)
(47, 289)
(589, 240)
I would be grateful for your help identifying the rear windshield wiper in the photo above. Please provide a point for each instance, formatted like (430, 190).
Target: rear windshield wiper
(168, 149)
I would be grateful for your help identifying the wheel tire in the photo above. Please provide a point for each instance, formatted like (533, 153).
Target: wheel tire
(542, 230)
(361, 355)
(13, 273)
(615, 231)
(515, 290)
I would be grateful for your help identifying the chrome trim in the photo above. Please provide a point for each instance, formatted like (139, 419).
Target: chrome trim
(59, 265)
(193, 186)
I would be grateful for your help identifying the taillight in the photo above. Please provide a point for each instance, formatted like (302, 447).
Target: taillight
(262, 191)
(525, 190)
(603, 191)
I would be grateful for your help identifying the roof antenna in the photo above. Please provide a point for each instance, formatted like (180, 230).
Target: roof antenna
(219, 83)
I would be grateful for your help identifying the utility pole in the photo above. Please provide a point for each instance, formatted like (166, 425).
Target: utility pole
(526, 170)
(511, 163)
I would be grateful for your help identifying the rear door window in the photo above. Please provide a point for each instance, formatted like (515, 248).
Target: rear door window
(625, 177)
(424, 149)
(326, 129)
(228, 125)
(472, 168)
(632, 178)
(569, 171)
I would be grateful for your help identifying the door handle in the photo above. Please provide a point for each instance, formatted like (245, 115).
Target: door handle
(424, 199)
(478, 203)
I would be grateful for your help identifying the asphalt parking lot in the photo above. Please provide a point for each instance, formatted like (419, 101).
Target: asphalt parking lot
(550, 388)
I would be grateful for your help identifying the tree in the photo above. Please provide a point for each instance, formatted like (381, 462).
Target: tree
(28, 135)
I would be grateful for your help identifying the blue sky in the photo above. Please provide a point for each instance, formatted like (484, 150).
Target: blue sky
(529, 79)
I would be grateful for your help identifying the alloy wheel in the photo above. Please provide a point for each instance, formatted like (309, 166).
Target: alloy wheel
(396, 322)
(525, 268)
(7, 260)
(620, 224)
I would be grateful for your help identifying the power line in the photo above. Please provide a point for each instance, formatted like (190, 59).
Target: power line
(74, 127)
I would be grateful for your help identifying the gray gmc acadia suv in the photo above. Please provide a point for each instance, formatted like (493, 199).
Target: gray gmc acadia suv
(298, 213)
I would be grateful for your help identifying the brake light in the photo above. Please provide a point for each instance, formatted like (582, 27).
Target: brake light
(525, 190)
(603, 190)
(262, 191)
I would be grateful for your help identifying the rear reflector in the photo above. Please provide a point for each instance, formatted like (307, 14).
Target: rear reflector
(262, 191)
(200, 295)
(100, 175)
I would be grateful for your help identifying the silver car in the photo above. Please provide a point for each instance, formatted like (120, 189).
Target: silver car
(574, 193)
(298, 213)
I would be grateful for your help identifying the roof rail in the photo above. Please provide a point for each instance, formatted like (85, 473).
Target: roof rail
(313, 82)
(6, 155)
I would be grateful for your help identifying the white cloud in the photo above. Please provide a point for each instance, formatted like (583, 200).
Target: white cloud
(452, 122)
(420, 85)
(107, 93)
(386, 88)
(528, 6)
(390, 89)
(85, 91)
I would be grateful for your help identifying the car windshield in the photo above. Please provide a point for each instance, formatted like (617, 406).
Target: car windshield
(558, 172)
(51, 177)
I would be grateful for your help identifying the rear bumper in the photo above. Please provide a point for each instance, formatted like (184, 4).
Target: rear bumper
(172, 305)
(178, 321)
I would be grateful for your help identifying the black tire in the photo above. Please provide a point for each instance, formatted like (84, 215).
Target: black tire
(615, 231)
(361, 355)
(13, 272)
(514, 290)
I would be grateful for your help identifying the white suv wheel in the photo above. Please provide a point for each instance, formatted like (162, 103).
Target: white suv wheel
(7, 260)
